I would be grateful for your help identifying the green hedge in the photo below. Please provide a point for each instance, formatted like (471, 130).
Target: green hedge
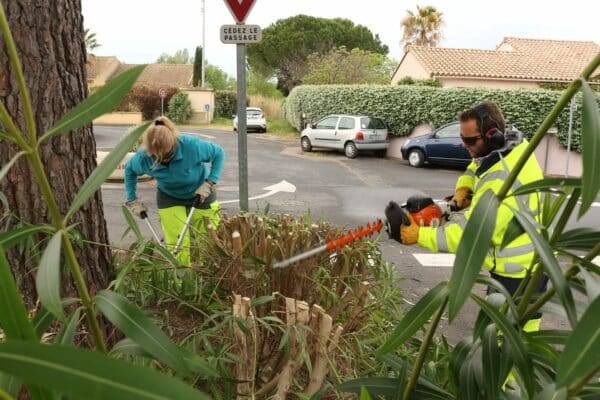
(225, 103)
(404, 107)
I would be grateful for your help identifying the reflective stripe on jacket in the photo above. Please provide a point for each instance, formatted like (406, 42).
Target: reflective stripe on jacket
(467, 179)
(514, 260)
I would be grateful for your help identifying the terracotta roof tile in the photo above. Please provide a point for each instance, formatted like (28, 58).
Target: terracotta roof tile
(97, 64)
(514, 58)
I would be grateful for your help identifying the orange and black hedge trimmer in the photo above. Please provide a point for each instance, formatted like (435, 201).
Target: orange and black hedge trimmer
(332, 244)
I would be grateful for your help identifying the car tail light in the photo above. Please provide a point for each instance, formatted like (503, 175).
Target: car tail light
(359, 136)
(262, 116)
(388, 135)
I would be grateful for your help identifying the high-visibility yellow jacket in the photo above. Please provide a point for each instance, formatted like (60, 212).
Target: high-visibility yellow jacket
(515, 259)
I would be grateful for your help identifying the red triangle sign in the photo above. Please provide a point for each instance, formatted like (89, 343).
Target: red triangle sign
(239, 9)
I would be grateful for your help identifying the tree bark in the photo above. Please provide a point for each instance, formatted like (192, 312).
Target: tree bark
(50, 42)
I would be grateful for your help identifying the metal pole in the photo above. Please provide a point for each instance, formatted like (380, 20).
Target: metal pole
(572, 109)
(203, 35)
(241, 129)
(161, 105)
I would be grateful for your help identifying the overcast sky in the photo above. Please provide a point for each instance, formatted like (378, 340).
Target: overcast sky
(138, 31)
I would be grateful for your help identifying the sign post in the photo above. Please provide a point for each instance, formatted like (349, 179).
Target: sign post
(162, 93)
(207, 109)
(241, 34)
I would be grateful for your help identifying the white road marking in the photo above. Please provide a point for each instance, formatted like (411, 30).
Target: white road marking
(435, 260)
(283, 186)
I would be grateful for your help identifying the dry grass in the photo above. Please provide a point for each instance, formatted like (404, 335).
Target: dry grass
(271, 107)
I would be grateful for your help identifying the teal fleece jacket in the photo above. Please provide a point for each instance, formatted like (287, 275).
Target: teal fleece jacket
(184, 173)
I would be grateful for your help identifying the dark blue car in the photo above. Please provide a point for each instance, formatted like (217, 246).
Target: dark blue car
(443, 146)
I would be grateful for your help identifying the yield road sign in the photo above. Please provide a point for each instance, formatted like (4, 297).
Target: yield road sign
(239, 9)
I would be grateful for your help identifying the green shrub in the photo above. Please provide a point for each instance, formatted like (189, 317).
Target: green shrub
(225, 103)
(404, 107)
(145, 98)
(180, 108)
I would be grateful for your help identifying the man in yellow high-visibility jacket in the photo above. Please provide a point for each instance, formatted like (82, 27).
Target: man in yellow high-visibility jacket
(494, 152)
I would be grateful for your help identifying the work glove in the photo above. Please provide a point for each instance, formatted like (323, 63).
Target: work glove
(462, 198)
(205, 190)
(400, 225)
(137, 207)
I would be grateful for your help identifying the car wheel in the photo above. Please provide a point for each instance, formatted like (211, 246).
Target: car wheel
(264, 130)
(305, 144)
(380, 153)
(416, 158)
(350, 150)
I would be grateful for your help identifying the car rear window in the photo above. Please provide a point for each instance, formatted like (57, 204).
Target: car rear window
(372, 123)
(253, 112)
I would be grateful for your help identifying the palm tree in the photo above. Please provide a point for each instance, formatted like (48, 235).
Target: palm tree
(90, 41)
(422, 28)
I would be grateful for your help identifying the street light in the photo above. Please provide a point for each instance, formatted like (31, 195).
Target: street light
(203, 46)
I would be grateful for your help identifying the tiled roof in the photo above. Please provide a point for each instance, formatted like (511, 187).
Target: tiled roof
(97, 64)
(176, 75)
(514, 58)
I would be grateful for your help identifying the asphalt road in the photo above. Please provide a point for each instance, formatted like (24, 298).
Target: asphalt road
(347, 192)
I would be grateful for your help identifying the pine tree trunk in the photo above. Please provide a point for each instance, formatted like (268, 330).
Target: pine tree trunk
(49, 41)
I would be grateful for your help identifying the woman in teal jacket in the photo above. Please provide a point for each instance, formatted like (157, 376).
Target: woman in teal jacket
(178, 163)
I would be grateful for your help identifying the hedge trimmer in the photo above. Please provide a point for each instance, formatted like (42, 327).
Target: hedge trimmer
(332, 244)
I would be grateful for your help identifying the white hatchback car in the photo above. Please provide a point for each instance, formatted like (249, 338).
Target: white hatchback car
(255, 120)
(351, 133)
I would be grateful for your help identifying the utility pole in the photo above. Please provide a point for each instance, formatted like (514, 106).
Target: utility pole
(203, 35)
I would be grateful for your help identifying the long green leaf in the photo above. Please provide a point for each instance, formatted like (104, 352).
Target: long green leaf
(590, 149)
(47, 280)
(9, 386)
(15, 236)
(129, 348)
(5, 136)
(398, 364)
(550, 263)
(132, 222)
(415, 318)
(471, 252)
(514, 345)
(15, 323)
(139, 328)
(9, 164)
(101, 102)
(490, 358)
(550, 336)
(13, 314)
(580, 355)
(458, 356)
(547, 185)
(364, 394)
(388, 388)
(67, 333)
(89, 375)
(579, 239)
(44, 318)
(103, 171)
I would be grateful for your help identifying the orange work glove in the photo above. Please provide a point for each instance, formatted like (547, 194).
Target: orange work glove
(409, 234)
(462, 197)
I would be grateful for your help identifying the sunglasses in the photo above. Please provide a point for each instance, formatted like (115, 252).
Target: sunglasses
(470, 140)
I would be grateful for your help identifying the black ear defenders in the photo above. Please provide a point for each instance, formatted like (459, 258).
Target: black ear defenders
(493, 137)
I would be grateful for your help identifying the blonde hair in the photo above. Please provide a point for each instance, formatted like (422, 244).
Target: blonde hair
(160, 138)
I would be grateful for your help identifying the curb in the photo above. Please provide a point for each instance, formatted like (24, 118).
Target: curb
(117, 174)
